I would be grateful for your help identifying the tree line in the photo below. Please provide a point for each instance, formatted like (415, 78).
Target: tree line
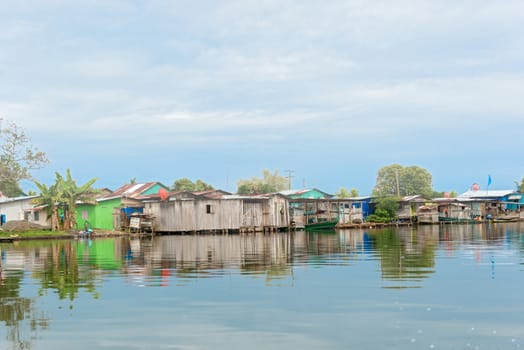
(19, 158)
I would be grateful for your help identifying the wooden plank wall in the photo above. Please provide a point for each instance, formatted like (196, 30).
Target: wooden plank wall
(225, 214)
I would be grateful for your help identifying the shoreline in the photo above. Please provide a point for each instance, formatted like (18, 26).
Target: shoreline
(11, 237)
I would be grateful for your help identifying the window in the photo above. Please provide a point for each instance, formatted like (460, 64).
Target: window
(208, 209)
(36, 215)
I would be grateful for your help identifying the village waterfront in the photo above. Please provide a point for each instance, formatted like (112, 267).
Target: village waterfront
(425, 287)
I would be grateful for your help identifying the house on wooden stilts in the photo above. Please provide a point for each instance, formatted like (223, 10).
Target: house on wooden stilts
(219, 213)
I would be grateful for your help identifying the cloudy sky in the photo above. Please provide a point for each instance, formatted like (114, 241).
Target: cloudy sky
(221, 89)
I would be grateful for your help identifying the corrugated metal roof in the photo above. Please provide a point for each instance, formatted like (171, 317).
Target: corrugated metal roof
(302, 191)
(212, 194)
(486, 194)
(130, 190)
(360, 198)
(411, 198)
(16, 199)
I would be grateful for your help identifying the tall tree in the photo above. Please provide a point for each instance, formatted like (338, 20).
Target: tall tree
(520, 186)
(185, 184)
(202, 186)
(344, 193)
(270, 182)
(10, 188)
(17, 158)
(403, 181)
(49, 197)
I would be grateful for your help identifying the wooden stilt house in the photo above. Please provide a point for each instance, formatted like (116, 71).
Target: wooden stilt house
(218, 212)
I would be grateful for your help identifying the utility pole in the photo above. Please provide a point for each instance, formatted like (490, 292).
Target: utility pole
(289, 177)
(398, 184)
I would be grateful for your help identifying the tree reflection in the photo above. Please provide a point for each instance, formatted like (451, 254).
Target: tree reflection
(17, 312)
(406, 255)
(61, 272)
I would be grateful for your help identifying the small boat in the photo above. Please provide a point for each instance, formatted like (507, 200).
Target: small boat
(455, 220)
(321, 225)
(506, 218)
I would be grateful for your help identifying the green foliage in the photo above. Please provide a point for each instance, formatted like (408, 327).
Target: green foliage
(270, 183)
(202, 186)
(379, 216)
(185, 184)
(344, 193)
(64, 194)
(17, 156)
(10, 188)
(520, 186)
(50, 198)
(385, 210)
(389, 205)
(401, 257)
(403, 181)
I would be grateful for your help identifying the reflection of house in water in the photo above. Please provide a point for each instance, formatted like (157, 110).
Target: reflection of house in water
(102, 253)
(217, 251)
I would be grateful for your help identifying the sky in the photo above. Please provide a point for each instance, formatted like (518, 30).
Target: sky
(326, 91)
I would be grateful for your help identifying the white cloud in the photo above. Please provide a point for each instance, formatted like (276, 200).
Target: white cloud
(255, 72)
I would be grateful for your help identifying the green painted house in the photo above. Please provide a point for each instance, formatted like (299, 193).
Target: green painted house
(107, 214)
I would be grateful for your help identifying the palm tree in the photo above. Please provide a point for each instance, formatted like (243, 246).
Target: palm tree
(65, 193)
(71, 193)
(49, 197)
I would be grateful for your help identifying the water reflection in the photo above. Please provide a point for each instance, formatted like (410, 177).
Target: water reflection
(20, 315)
(403, 254)
(406, 254)
(403, 257)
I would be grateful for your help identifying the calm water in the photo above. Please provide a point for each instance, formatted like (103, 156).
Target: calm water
(452, 287)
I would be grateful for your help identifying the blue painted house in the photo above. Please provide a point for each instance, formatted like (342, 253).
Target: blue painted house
(363, 203)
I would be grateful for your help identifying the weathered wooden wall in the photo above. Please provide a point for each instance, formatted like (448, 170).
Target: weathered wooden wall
(219, 214)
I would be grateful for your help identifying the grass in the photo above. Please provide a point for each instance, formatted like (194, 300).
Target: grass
(35, 234)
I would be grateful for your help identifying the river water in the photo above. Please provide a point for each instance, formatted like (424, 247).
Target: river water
(432, 287)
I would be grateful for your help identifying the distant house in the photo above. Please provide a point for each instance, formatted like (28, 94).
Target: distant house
(455, 210)
(409, 205)
(494, 203)
(310, 205)
(22, 208)
(215, 212)
(113, 210)
(361, 208)
(428, 214)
